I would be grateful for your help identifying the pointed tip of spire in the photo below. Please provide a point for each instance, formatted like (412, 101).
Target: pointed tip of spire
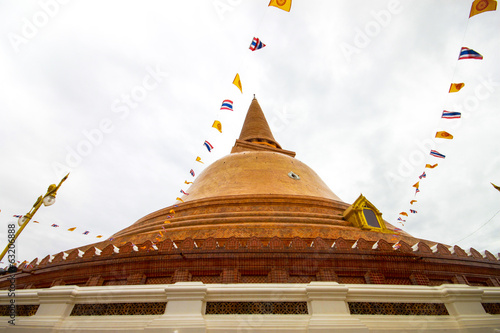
(256, 133)
(255, 128)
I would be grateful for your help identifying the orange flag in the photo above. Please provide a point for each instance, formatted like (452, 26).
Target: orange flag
(431, 166)
(403, 213)
(412, 202)
(281, 4)
(444, 135)
(454, 87)
(218, 126)
(237, 82)
(481, 6)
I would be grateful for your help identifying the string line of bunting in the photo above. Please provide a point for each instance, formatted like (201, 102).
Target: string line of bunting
(227, 104)
(54, 225)
(478, 7)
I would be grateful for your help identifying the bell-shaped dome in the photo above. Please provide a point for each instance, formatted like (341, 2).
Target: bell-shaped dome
(256, 173)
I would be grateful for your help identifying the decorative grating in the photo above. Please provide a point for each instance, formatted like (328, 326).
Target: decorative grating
(491, 308)
(397, 281)
(301, 279)
(352, 279)
(274, 308)
(115, 282)
(438, 282)
(119, 309)
(159, 280)
(401, 309)
(254, 279)
(478, 283)
(207, 279)
(21, 310)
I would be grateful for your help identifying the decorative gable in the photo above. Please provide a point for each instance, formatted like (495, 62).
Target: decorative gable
(364, 215)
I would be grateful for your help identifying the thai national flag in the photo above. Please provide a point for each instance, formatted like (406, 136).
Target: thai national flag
(18, 216)
(256, 44)
(227, 104)
(55, 225)
(451, 115)
(400, 219)
(182, 191)
(86, 232)
(191, 172)
(413, 211)
(422, 175)
(208, 145)
(466, 53)
(435, 153)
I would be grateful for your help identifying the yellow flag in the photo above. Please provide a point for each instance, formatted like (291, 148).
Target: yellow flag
(431, 166)
(495, 186)
(237, 82)
(186, 182)
(98, 236)
(218, 126)
(281, 4)
(454, 87)
(481, 6)
(198, 159)
(172, 211)
(444, 135)
(166, 221)
(416, 185)
(179, 199)
(71, 229)
(403, 213)
(412, 202)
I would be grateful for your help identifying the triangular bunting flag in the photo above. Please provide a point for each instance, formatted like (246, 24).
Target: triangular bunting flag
(281, 4)
(237, 82)
(217, 125)
(481, 6)
(454, 87)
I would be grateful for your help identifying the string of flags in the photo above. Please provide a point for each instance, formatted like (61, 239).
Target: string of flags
(478, 7)
(54, 225)
(227, 104)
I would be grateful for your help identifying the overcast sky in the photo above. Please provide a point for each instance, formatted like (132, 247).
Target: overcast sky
(124, 93)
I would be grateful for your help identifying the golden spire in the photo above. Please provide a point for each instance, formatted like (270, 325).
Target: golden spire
(256, 134)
